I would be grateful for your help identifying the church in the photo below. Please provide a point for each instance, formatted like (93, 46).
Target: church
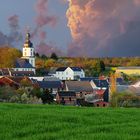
(26, 64)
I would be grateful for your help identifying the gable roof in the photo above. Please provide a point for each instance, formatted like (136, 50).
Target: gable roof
(49, 84)
(66, 93)
(73, 68)
(76, 68)
(100, 83)
(88, 78)
(8, 81)
(23, 63)
(79, 86)
(61, 69)
(22, 73)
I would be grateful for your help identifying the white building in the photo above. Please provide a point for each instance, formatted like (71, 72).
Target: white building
(69, 73)
(26, 64)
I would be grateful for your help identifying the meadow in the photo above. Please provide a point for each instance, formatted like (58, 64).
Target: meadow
(48, 122)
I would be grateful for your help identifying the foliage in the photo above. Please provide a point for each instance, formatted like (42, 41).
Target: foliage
(25, 82)
(54, 56)
(47, 97)
(46, 122)
(30, 99)
(125, 100)
(8, 55)
(6, 93)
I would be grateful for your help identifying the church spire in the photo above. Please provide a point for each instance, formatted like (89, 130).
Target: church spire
(28, 43)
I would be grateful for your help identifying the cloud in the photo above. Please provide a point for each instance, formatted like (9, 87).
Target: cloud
(104, 27)
(42, 20)
(15, 36)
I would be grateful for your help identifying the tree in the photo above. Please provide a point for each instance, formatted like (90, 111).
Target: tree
(54, 56)
(37, 55)
(47, 98)
(44, 56)
(102, 65)
(8, 56)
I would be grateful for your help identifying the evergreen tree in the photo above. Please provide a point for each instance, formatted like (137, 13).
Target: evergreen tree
(54, 56)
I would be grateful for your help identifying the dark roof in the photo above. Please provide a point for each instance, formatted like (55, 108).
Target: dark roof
(73, 68)
(66, 93)
(49, 84)
(101, 83)
(61, 69)
(79, 86)
(22, 73)
(88, 78)
(23, 63)
(120, 81)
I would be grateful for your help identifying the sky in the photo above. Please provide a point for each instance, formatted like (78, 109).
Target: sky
(87, 28)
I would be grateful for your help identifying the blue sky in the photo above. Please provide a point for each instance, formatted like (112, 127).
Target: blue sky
(25, 9)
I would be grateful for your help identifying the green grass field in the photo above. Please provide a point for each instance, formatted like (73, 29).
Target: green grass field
(44, 122)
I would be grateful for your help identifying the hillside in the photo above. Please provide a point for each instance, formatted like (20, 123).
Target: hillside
(43, 122)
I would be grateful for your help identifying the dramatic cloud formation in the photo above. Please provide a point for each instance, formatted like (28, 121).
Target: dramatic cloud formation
(104, 27)
(43, 19)
(15, 35)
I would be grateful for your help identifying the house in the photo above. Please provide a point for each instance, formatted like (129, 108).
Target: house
(6, 81)
(69, 73)
(52, 86)
(101, 104)
(81, 88)
(98, 84)
(66, 97)
(128, 70)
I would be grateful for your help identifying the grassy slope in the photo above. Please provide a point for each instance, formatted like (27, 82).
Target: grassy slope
(42, 122)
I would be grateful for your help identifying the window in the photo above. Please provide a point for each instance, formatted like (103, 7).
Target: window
(70, 99)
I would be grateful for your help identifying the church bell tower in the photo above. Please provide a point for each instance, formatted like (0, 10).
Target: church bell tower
(28, 50)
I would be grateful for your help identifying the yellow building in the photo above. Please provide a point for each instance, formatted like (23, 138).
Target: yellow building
(128, 70)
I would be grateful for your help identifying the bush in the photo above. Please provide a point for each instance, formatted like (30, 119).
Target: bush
(124, 100)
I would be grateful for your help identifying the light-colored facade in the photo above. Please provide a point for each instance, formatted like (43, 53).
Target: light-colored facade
(70, 74)
(27, 62)
(28, 51)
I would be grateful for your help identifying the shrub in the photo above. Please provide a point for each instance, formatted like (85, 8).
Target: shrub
(125, 100)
